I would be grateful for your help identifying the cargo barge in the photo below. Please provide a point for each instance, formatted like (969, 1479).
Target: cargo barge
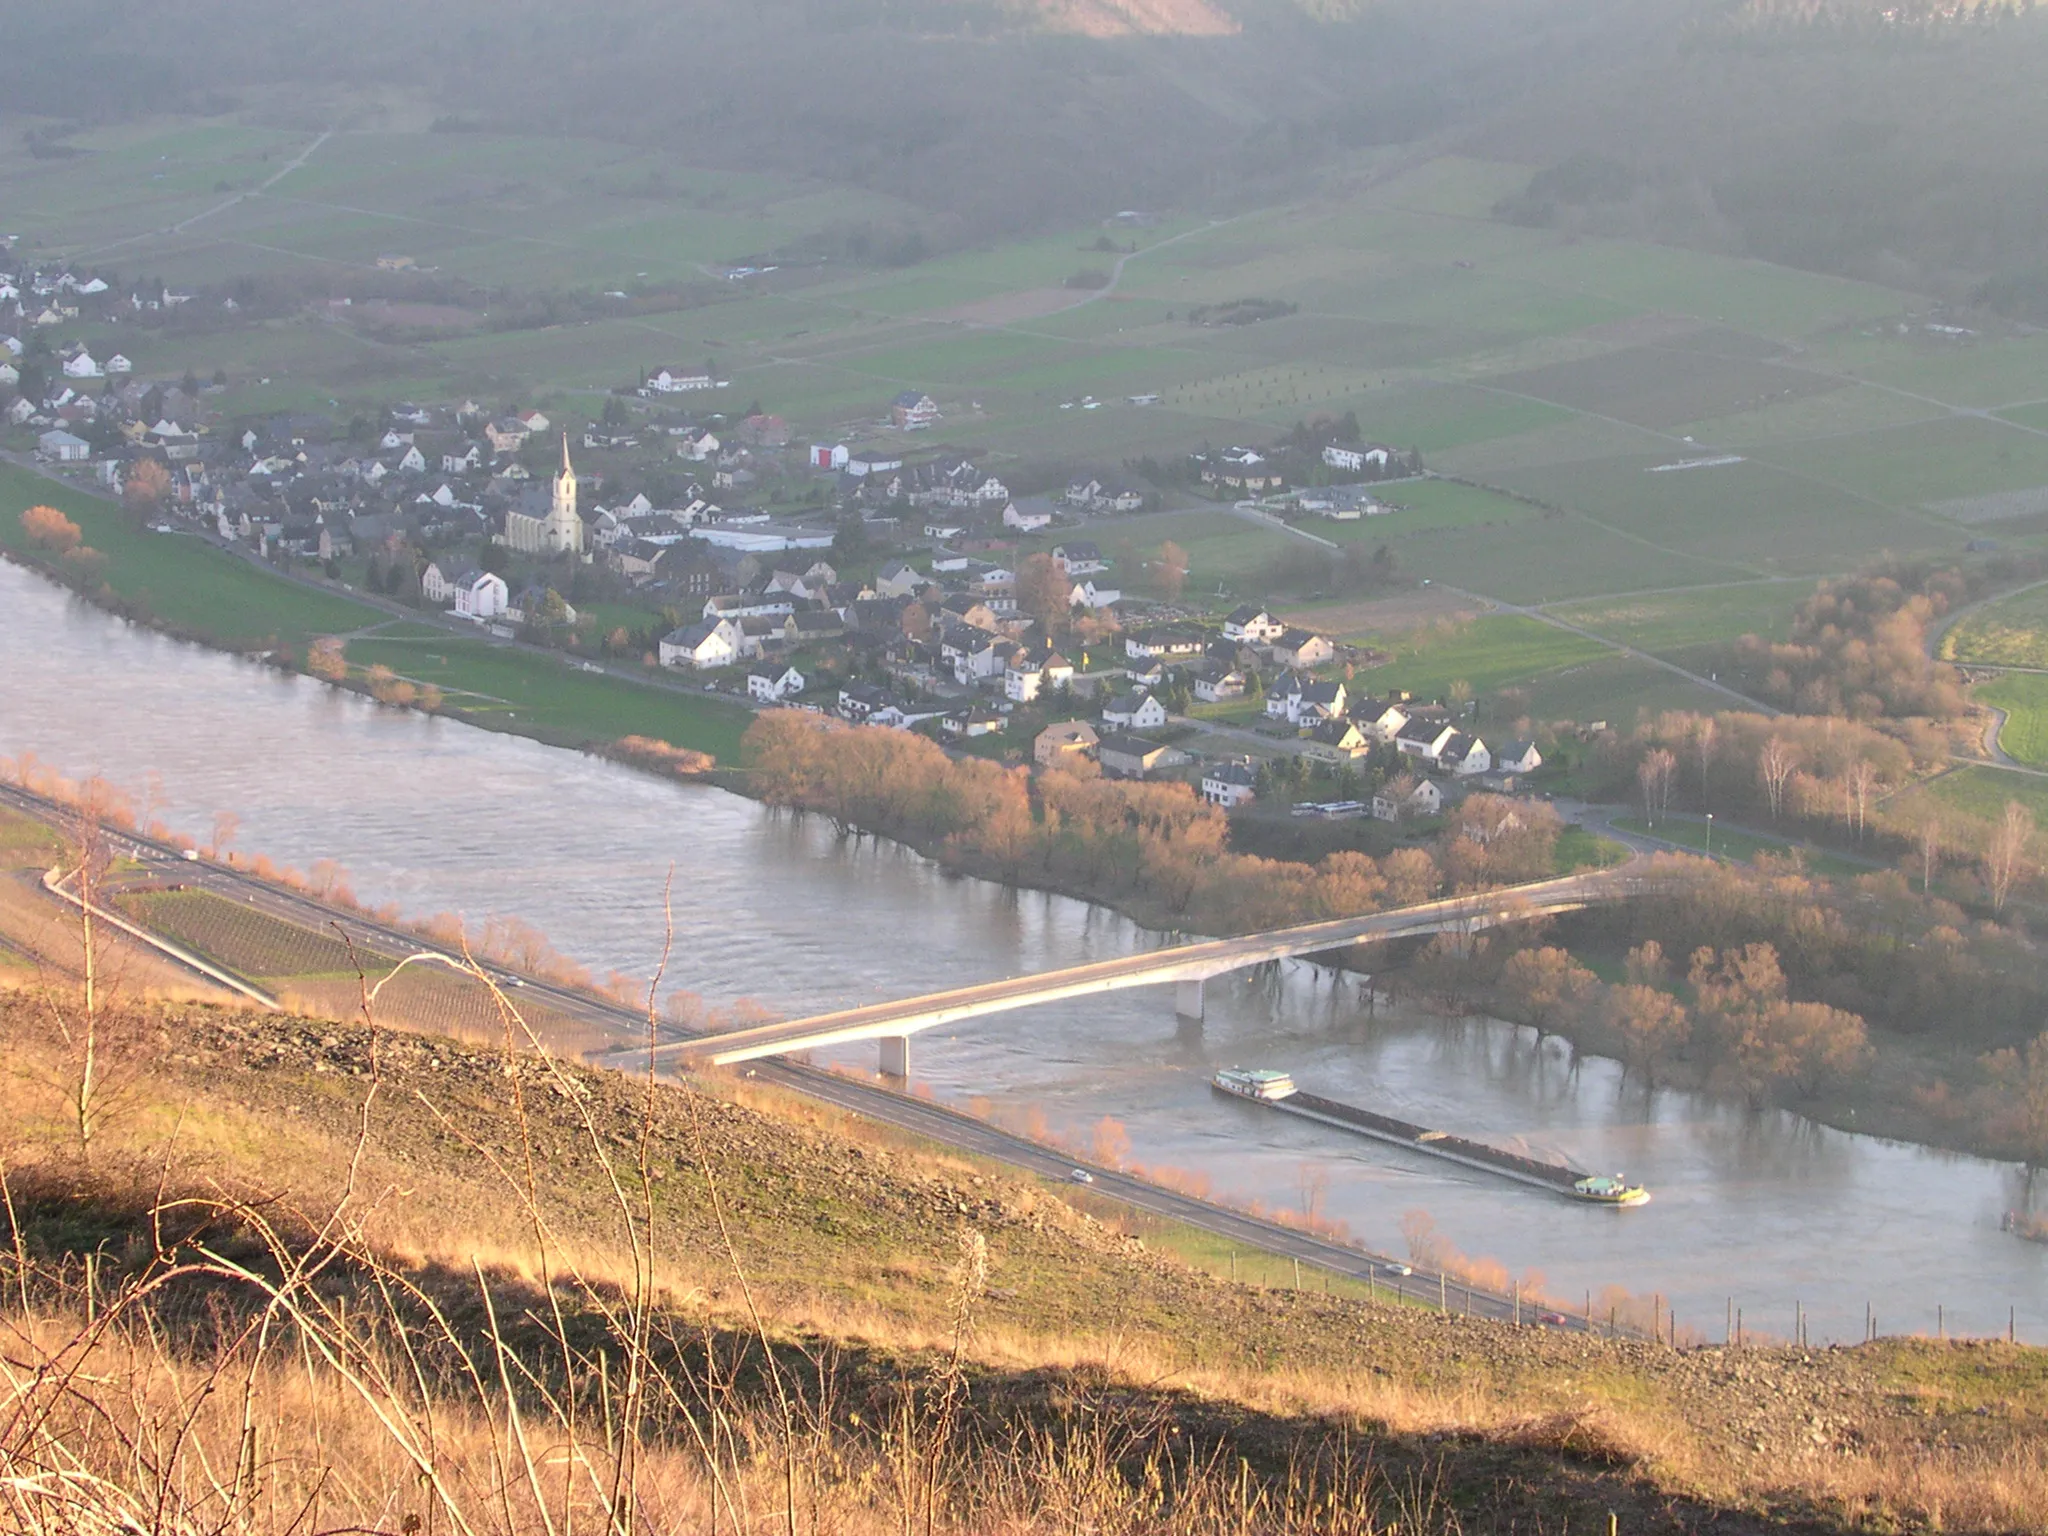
(1279, 1090)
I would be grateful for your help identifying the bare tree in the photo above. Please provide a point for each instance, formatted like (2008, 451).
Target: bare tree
(1930, 849)
(1653, 776)
(91, 1045)
(226, 825)
(2005, 854)
(1774, 765)
(1705, 741)
(1860, 782)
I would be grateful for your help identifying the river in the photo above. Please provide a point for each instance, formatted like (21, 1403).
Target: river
(1766, 1208)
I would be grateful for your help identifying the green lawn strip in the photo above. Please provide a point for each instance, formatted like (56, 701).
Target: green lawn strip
(541, 692)
(2024, 698)
(1732, 843)
(180, 581)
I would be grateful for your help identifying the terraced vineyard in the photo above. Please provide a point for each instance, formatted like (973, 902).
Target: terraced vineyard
(243, 941)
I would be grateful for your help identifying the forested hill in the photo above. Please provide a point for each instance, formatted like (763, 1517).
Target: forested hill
(1900, 140)
(996, 116)
(1907, 144)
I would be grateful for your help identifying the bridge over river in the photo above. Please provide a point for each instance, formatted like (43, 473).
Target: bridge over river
(1184, 966)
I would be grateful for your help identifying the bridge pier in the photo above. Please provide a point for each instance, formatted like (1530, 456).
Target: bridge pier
(896, 1056)
(1190, 1000)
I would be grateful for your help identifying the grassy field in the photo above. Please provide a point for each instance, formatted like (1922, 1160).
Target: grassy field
(1487, 654)
(1982, 793)
(1673, 623)
(2012, 632)
(535, 694)
(2024, 698)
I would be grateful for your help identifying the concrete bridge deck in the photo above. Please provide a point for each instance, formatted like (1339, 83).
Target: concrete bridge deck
(1187, 965)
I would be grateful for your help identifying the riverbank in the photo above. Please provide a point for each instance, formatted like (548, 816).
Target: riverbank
(182, 585)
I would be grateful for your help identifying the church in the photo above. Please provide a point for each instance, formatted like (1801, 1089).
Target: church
(560, 530)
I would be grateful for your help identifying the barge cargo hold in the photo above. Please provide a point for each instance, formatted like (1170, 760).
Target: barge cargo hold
(1278, 1090)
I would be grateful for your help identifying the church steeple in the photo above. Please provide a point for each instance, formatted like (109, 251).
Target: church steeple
(565, 527)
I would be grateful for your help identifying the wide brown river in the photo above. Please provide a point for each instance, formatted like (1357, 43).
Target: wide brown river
(1769, 1209)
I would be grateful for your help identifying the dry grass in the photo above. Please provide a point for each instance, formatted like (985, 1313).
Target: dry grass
(491, 1291)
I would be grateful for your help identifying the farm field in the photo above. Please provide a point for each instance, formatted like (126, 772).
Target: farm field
(1420, 505)
(2024, 698)
(1486, 654)
(1617, 689)
(2012, 632)
(1551, 558)
(242, 941)
(1764, 519)
(1673, 623)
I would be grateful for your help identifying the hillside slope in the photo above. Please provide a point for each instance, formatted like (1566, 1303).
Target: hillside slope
(806, 1301)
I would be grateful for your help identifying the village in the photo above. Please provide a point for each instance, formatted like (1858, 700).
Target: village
(890, 584)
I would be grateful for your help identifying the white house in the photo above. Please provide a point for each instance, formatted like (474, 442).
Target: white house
(481, 595)
(1382, 721)
(1025, 520)
(1088, 595)
(703, 646)
(1425, 739)
(1230, 785)
(63, 447)
(914, 411)
(1134, 712)
(674, 381)
(1252, 626)
(1398, 799)
(1302, 648)
(1218, 684)
(772, 684)
(1338, 456)
(119, 364)
(81, 366)
(1081, 558)
(1518, 757)
(1466, 756)
(1306, 701)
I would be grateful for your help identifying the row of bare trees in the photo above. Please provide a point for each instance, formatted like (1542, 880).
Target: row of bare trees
(1732, 1018)
(1071, 829)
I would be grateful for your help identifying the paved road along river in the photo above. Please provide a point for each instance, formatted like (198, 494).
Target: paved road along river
(1768, 1208)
